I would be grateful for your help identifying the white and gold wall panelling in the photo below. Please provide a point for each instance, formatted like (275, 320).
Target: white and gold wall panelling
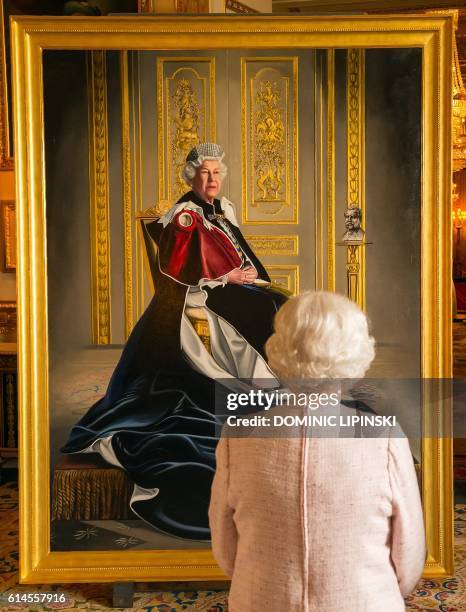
(275, 179)
(99, 197)
(341, 166)
(285, 277)
(119, 200)
(269, 102)
(127, 192)
(260, 108)
(324, 164)
(264, 246)
(186, 115)
(356, 121)
(112, 161)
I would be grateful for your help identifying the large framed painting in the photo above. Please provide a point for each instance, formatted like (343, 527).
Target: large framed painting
(309, 131)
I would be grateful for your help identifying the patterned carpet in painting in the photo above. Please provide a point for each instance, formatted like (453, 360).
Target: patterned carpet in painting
(442, 595)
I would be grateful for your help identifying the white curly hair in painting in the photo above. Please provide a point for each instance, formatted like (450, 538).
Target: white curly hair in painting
(200, 153)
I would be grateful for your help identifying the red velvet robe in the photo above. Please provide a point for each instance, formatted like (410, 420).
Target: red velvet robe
(189, 251)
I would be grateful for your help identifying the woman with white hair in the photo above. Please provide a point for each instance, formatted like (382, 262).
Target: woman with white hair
(303, 522)
(157, 419)
(201, 247)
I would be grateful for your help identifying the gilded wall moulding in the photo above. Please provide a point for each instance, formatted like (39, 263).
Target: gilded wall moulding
(6, 159)
(126, 190)
(99, 201)
(355, 100)
(355, 125)
(285, 276)
(353, 273)
(185, 116)
(331, 170)
(274, 245)
(269, 104)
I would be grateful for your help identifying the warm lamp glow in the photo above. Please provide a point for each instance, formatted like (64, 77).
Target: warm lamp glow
(458, 216)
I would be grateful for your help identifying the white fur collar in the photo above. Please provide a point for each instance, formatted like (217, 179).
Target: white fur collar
(225, 204)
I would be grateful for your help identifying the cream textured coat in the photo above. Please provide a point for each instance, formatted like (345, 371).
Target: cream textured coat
(304, 524)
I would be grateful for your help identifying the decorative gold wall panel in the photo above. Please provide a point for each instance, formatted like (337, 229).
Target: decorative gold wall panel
(319, 170)
(286, 277)
(99, 197)
(185, 116)
(269, 101)
(274, 245)
(331, 170)
(355, 93)
(126, 190)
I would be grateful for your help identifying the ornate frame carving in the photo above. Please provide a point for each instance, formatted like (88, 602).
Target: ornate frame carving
(355, 105)
(31, 36)
(8, 228)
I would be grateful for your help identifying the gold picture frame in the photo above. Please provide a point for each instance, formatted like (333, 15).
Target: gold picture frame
(8, 227)
(31, 37)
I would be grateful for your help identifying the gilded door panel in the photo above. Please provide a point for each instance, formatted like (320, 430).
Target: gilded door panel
(185, 116)
(272, 147)
(285, 277)
(269, 100)
(185, 98)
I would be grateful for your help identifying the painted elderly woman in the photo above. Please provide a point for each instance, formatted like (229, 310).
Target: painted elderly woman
(157, 418)
(305, 522)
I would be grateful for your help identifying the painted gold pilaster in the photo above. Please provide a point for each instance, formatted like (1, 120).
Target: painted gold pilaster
(331, 170)
(269, 109)
(355, 94)
(126, 190)
(285, 276)
(319, 170)
(99, 197)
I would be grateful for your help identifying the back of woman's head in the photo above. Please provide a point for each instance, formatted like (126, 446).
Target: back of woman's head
(319, 334)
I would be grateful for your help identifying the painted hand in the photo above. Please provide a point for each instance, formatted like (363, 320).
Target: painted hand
(242, 276)
(250, 274)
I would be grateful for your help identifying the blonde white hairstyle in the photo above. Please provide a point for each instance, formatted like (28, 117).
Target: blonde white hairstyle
(319, 334)
(191, 167)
